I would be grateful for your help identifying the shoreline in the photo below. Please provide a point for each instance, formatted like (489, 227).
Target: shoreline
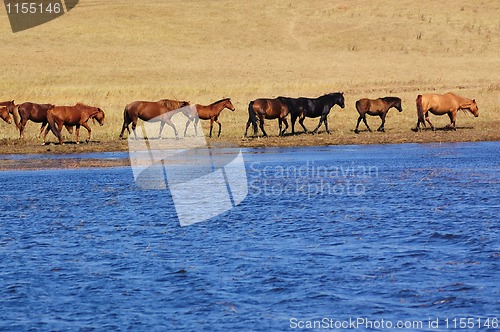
(69, 156)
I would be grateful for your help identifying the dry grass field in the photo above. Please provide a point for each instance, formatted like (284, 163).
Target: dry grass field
(109, 53)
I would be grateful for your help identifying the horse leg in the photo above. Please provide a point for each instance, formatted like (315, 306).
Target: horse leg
(262, 126)
(301, 122)
(161, 129)
(125, 126)
(211, 126)
(45, 134)
(248, 126)
(134, 125)
(88, 129)
(171, 124)
(381, 128)
(22, 124)
(59, 134)
(326, 125)
(453, 116)
(293, 119)
(357, 124)
(42, 127)
(366, 123)
(220, 126)
(77, 134)
(286, 126)
(429, 121)
(187, 125)
(195, 126)
(319, 124)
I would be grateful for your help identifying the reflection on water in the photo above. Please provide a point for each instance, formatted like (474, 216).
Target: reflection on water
(387, 232)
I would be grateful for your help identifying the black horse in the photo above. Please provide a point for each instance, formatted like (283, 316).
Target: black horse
(313, 108)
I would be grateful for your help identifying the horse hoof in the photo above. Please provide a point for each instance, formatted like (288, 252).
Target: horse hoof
(356, 131)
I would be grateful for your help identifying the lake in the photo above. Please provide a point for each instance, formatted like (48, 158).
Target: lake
(338, 237)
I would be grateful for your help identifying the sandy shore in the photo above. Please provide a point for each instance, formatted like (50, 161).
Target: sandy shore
(10, 149)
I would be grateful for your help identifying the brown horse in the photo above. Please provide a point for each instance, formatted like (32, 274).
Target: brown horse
(151, 111)
(267, 109)
(210, 112)
(376, 107)
(443, 104)
(77, 115)
(36, 113)
(5, 115)
(10, 106)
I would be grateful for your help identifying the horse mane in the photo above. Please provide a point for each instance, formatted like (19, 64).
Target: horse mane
(220, 101)
(391, 99)
(174, 104)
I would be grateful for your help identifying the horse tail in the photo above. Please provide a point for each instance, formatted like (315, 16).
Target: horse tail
(126, 116)
(252, 117)
(52, 124)
(420, 111)
(358, 106)
(15, 115)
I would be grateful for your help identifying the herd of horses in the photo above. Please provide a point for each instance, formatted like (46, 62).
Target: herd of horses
(259, 110)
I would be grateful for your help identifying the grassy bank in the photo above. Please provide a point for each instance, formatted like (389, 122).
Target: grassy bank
(108, 54)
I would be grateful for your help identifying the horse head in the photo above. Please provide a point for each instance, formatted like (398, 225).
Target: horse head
(99, 116)
(10, 107)
(474, 109)
(229, 104)
(398, 105)
(340, 99)
(5, 114)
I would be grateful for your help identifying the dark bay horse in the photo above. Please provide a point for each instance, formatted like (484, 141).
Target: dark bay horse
(36, 113)
(151, 111)
(210, 112)
(267, 109)
(313, 108)
(5, 114)
(376, 107)
(10, 106)
(443, 104)
(77, 115)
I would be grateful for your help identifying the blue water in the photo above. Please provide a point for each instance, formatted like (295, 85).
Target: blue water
(326, 234)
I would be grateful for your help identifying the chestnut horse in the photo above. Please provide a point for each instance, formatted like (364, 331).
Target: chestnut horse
(77, 115)
(151, 111)
(10, 106)
(267, 109)
(5, 114)
(376, 107)
(36, 113)
(443, 104)
(210, 112)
